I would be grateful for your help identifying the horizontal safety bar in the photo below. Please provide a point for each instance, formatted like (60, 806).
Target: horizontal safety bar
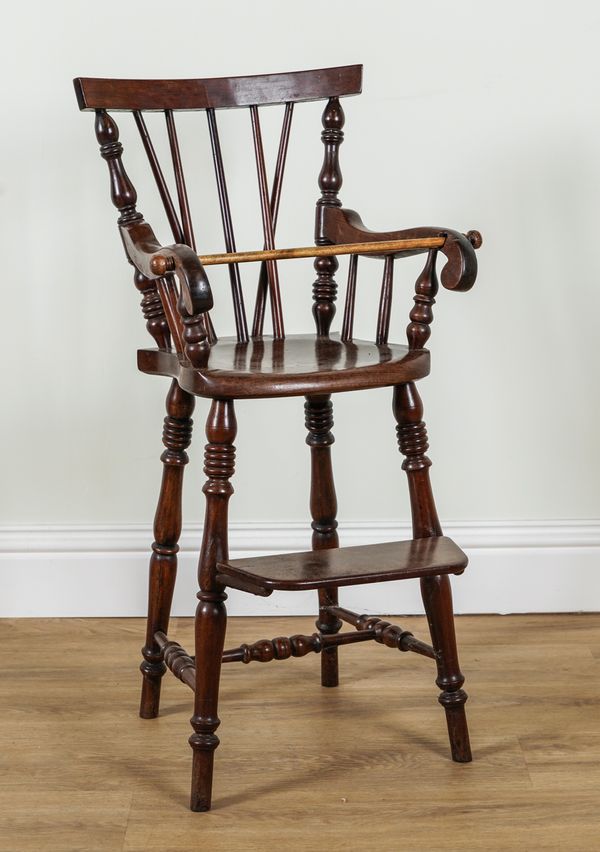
(161, 265)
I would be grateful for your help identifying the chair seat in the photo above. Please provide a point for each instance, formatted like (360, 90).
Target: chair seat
(299, 365)
(344, 566)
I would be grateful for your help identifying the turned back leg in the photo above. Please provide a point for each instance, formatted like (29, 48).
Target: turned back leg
(177, 435)
(436, 591)
(323, 508)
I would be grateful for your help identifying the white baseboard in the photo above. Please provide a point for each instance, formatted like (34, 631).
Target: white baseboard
(515, 566)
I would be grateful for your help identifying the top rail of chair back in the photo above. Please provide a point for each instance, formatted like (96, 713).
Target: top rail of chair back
(218, 92)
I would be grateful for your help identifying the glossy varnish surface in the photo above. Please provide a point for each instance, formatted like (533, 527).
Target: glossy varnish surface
(176, 303)
(296, 366)
(347, 566)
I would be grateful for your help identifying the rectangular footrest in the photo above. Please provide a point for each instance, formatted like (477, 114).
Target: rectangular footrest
(344, 566)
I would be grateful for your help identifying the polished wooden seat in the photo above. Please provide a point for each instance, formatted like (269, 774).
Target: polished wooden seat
(344, 566)
(177, 301)
(301, 364)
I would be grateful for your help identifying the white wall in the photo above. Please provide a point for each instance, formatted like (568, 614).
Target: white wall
(472, 116)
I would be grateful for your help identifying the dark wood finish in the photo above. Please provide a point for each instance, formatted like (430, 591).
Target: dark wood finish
(267, 223)
(219, 92)
(421, 316)
(241, 323)
(330, 182)
(159, 178)
(384, 632)
(177, 435)
(300, 365)
(211, 615)
(177, 659)
(340, 225)
(346, 566)
(435, 590)
(261, 292)
(323, 509)
(176, 301)
(385, 302)
(348, 321)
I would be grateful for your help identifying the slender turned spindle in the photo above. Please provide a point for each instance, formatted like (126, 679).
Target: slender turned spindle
(184, 207)
(435, 591)
(159, 178)
(385, 302)
(153, 310)
(261, 292)
(323, 508)
(330, 182)
(348, 321)
(211, 615)
(177, 435)
(267, 222)
(421, 316)
(237, 295)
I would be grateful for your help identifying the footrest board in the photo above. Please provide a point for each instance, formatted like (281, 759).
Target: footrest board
(344, 566)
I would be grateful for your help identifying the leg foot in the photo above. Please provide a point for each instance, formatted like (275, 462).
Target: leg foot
(437, 598)
(211, 620)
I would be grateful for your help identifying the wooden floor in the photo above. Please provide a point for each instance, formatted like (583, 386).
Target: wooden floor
(365, 766)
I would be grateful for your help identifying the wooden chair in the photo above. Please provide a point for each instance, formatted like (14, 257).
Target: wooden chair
(176, 300)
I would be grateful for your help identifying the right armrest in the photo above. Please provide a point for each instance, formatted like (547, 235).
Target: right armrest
(342, 225)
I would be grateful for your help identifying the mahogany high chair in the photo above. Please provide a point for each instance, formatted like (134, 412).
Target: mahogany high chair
(176, 302)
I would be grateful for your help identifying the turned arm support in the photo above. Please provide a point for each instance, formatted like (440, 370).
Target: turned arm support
(341, 225)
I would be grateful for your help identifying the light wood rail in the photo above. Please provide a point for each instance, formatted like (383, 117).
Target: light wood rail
(381, 247)
(160, 265)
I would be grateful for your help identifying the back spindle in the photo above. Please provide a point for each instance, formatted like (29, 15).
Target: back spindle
(421, 316)
(267, 222)
(330, 182)
(348, 321)
(237, 295)
(261, 292)
(159, 178)
(385, 301)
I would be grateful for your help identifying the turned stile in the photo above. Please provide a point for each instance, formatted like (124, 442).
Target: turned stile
(330, 183)
(323, 508)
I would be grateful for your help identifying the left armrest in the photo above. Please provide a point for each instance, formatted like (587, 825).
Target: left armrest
(341, 225)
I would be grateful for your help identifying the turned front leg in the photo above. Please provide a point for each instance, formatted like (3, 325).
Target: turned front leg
(211, 615)
(323, 508)
(177, 435)
(436, 591)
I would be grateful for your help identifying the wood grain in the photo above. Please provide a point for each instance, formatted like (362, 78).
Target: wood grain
(95, 777)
